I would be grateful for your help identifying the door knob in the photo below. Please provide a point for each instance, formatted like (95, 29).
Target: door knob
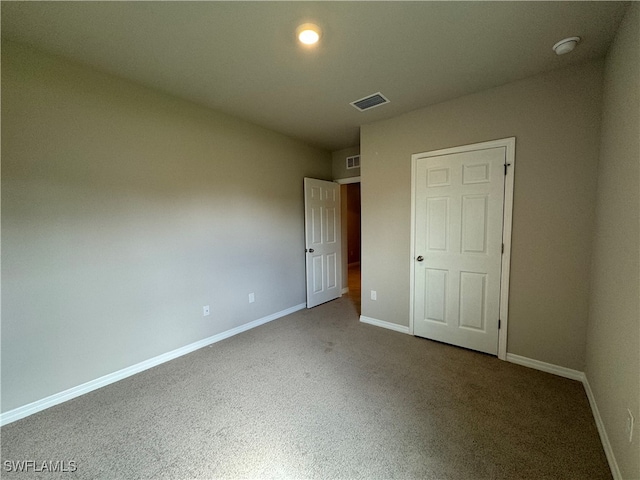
(311, 250)
(420, 258)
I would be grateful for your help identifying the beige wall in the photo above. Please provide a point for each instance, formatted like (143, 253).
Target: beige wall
(555, 119)
(124, 211)
(613, 342)
(339, 158)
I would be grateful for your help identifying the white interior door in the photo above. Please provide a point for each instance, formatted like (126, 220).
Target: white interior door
(323, 240)
(458, 242)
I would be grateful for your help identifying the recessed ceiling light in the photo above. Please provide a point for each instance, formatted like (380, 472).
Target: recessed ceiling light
(566, 45)
(308, 33)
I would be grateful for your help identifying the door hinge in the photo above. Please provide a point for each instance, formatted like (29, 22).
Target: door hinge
(506, 165)
(503, 248)
(499, 324)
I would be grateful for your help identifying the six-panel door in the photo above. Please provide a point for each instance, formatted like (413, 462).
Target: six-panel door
(458, 233)
(323, 241)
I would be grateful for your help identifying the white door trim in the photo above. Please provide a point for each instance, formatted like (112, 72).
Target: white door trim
(509, 144)
(344, 181)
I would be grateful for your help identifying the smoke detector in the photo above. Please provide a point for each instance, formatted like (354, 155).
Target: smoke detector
(566, 45)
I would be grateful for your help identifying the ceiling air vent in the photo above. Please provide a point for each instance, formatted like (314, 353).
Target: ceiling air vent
(371, 101)
(353, 162)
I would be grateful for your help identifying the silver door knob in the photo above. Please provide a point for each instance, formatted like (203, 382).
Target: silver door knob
(420, 258)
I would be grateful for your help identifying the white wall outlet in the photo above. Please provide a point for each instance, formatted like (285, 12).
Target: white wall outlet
(205, 310)
(374, 295)
(629, 425)
(252, 297)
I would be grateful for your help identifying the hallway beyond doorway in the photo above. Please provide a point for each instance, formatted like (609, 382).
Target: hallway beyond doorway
(354, 285)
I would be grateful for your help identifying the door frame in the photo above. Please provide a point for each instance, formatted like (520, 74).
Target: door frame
(507, 216)
(346, 181)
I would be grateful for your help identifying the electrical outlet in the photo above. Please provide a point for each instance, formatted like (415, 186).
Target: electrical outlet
(374, 295)
(629, 425)
(205, 310)
(252, 297)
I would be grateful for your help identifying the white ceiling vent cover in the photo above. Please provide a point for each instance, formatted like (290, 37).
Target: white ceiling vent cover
(370, 101)
(353, 162)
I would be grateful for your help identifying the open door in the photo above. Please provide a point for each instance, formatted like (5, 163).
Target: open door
(323, 240)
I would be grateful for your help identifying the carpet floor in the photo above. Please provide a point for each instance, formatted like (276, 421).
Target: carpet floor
(317, 394)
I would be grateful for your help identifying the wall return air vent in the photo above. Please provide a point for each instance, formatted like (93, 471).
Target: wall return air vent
(353, 162)
(370, 101)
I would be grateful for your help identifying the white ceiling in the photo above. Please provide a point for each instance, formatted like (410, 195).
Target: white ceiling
(242, 58)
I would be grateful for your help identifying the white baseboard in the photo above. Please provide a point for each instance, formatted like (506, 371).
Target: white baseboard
(604, 438)
(383, 324)
(546, 367)
(581, 377)
(345, 290)
(50, 401)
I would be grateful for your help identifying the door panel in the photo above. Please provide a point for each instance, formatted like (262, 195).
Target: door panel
(323, 240)
(474, 223)
(472, 300)
(436, 294)
(458, 231)
(437, 224)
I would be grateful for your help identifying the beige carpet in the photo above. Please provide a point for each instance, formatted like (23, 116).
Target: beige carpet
(319, 395)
